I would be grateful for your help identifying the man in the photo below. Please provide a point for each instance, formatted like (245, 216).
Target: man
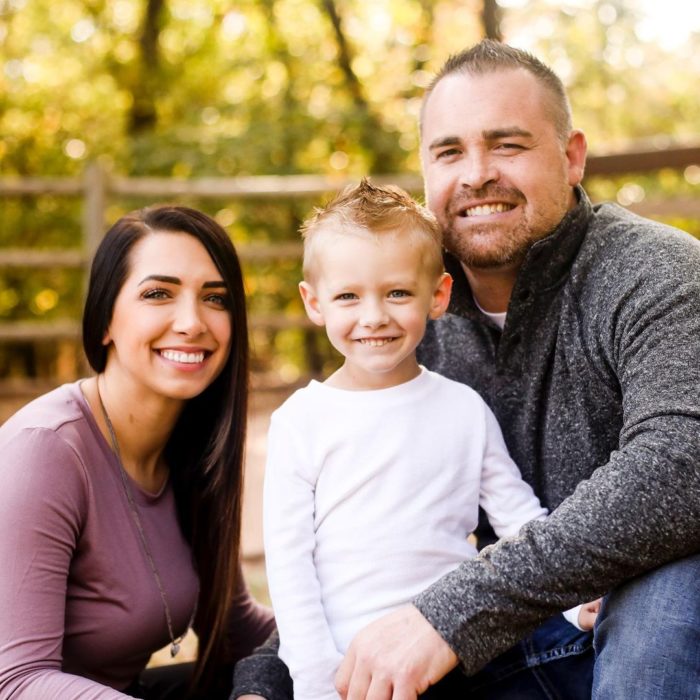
(580, 326)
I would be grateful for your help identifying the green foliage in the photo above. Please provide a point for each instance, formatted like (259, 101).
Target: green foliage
(208, 87)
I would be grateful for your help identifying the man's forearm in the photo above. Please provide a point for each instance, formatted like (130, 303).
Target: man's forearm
(263, 673)
(639, 511)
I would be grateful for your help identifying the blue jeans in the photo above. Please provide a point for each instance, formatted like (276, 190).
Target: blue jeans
(554, 663)
(647, 647)
(647, 636)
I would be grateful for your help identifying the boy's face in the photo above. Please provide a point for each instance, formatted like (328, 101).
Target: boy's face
(374, 297)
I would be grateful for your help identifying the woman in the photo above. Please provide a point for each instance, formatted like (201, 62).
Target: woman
(120, 495)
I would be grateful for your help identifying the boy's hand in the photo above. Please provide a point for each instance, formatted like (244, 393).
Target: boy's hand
(588, 613)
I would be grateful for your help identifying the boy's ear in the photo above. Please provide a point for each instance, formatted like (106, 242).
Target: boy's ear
(441, 296)
(311, 304)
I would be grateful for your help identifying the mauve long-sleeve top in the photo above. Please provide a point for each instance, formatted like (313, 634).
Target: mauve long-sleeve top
(80, 611)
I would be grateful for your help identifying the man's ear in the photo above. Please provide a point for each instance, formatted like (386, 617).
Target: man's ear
(576, 149)
(441, 296)
(311, 303)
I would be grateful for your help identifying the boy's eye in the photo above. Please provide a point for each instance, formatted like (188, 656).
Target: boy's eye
(399, 293)
(346, 296)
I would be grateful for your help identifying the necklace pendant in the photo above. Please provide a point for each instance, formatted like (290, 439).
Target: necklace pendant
(174, 649)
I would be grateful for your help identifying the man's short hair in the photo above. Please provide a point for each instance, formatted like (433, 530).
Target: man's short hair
(375, 210)
(490, 56)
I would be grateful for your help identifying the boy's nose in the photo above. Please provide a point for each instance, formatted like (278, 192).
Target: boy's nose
(373, 315)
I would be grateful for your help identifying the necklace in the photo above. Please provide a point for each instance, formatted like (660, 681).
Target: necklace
(175, 641)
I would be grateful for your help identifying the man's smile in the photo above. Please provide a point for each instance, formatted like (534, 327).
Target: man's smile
(486, 209)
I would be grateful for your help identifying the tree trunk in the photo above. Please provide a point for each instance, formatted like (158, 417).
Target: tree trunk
(491, 20)
(143, 115)
(383, 156)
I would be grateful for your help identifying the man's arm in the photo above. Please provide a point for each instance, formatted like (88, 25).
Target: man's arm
(638, 511)
(263, 674)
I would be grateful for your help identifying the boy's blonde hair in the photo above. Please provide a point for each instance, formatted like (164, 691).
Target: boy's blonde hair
(377, 210)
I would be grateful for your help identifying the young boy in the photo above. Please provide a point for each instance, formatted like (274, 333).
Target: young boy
(374, 477)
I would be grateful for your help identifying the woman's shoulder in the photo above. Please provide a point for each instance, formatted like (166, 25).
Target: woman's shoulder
(50, 410)
(55, 427)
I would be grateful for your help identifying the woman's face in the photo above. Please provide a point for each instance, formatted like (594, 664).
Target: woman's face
(170, 333)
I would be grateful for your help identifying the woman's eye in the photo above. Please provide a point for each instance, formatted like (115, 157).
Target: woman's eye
(218, 299)
(155, 294)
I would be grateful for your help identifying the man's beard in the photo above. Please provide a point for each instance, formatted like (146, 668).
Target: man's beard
(500, 248)
(501, 245)
(493, 245)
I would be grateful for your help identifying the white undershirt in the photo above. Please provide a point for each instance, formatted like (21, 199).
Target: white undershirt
(369, 498)
(498, 318)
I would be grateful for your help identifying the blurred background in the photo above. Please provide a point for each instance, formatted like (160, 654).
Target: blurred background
(256, 110)
(259, 109)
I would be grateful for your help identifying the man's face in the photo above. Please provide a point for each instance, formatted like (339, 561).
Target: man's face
(497, 175)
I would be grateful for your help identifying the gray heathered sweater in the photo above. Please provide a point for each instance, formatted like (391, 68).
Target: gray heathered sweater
(595, 380)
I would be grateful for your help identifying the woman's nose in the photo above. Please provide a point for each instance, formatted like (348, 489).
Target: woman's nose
(188, 319)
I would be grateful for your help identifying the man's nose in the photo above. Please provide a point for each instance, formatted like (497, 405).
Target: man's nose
(478, 169)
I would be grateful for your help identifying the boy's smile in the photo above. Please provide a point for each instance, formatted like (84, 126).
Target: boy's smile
(374, 297)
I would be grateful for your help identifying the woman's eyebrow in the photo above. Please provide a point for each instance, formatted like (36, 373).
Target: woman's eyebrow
(161, 278)
(168, 279)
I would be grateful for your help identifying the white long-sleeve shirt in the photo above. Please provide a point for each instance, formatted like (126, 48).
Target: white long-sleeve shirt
(369, 498)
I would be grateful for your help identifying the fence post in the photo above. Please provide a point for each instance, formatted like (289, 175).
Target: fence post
(95, 185)
(94, 204)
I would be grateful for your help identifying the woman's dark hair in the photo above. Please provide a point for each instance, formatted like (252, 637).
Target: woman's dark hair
(205, 450)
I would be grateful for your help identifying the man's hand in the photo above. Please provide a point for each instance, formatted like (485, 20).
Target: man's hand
(394, 658)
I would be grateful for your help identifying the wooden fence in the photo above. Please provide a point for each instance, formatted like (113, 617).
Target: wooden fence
(97, 187)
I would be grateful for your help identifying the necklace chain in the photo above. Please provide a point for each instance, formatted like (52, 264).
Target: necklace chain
(175, 641)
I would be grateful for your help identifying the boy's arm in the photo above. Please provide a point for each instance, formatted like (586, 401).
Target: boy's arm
(307, 646)
(509, 502)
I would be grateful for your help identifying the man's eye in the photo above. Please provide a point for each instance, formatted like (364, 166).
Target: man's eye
(510, 147)
(447, 153)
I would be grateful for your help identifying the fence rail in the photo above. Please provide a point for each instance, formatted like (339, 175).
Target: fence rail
(97, 186)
